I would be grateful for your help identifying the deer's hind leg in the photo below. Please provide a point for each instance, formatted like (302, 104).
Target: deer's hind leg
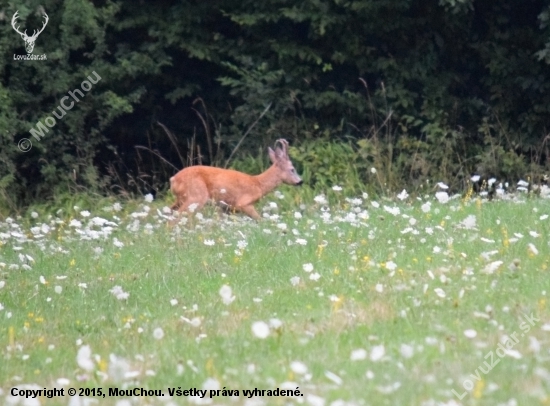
(191, 199)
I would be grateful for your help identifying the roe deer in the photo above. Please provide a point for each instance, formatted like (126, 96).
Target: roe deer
(195, 185)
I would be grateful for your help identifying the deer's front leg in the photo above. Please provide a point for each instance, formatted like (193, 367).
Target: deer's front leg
(250, 211)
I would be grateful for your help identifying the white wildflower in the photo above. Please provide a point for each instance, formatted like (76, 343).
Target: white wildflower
(523, 183)
(334, 378)
(275, 323)
(469, 222)
(84, 358)
(513, 353)
(314, 276)
(195, 321)
(377, 353)
(320, 199)
(386, 390)
(406, 351)
(470, 333)
(358, 355)
(119, 293)
(158, 333)
(440, 292)
(391, 266)
(392, 210)
(533, 249)
(75, 223)
(403, 195)
(226, 294)
(442, 197)
(260, 329)
(298, 367)
(426, 207)
(492, 267)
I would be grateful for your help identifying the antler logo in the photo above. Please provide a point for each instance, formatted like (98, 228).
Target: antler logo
(29, 41)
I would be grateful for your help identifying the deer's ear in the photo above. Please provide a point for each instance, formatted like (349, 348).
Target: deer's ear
(272, 155)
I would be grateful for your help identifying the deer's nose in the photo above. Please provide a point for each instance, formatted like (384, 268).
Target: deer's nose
(299, 183)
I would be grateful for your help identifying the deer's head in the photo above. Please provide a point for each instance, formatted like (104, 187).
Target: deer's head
(29, 41)
(281, 160)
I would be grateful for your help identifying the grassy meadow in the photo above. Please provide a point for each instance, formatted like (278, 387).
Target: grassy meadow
(352, 300)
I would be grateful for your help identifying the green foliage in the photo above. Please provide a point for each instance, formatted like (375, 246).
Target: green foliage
(74, 42)
(252, 164)
(324, 164)
(428, 88)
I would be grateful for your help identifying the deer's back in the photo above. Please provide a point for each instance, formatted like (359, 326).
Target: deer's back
(216, 179)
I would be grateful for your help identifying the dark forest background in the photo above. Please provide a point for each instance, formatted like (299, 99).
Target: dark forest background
(418, 89)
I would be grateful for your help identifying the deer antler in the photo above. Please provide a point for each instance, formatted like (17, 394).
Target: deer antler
(43, 25)
(284, 145)
(13, 20)
(24, 34)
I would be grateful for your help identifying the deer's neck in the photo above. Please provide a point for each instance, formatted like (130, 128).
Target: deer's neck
(269, 179)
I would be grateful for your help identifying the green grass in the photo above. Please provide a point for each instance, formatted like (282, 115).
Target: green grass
(376, 292)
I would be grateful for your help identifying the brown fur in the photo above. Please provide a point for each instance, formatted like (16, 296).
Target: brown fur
(235, 190)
